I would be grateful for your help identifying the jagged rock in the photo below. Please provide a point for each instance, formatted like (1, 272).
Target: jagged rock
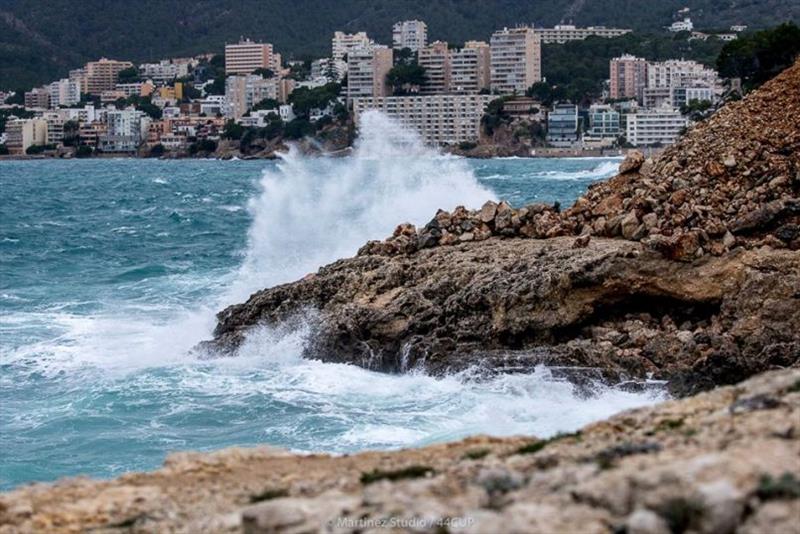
(488, 212)
(632, 162)
(454, 307)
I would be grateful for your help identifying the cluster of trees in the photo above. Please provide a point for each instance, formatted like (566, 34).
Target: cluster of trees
(757, 57)
(142, 103)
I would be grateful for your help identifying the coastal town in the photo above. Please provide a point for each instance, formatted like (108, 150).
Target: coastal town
(471, 98)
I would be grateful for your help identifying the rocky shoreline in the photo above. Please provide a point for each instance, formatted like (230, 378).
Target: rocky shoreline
(684, 267)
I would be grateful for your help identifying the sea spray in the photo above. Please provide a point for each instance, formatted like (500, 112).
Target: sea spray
(95, 374)
(312, 211)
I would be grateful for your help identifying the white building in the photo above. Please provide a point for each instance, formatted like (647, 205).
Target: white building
(367, 68)
(165, 71)
(684, 25)
(563, 33)
(676, 82)
(411, 34)
(660, 126)
(342, 43)
(126, 129)
(516, 60)
(737, 28)
(440, 119)
(64, 92)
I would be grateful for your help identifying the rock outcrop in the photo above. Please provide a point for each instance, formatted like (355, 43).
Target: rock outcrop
(733, 180)
(720, 462)
(597, 285)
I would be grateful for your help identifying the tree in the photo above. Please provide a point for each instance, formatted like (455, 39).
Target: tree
(71, 137)
(129, 75)
(217, 87)
(264, 73)
(405, 56)
(232, 130)
(84, 151)
(303, 99)
(298, 128)
(17, 98)
(3, 150)
(267, 103)
(406, 78)
(157, 150)
(697, 110)
(758, 57)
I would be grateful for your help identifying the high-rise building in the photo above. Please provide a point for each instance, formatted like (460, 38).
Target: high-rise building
(101, 75)
(412, 34)
(244, 92)
(342, 43)
(680, 73)
(37, 98)
(435, 58)
(563, 33)
(331, 69)
(516, 59)
(628, 76)
(367, 68)
(246, 56)
(64, 92)
(440, 119)
(470, 68)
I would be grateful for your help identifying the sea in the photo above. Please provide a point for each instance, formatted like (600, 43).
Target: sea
(112, 270)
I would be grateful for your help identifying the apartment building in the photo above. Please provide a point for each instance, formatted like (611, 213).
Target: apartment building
(37, 98)
(439, 119)
(101, 75)
(516, 60)
(126, 129)
(411, 34)
(470, 68)
(64, 92)
(628, 77)
(246, 56)
(659, 126)
(22, 134)
(435, 58)
(367, 68)
(165, 71)
(564, 33)
(604, 126)
(562, 125)
(681, 73)
(342, 43)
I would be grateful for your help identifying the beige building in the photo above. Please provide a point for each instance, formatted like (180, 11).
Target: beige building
(64, 92)
(435, 58)
(246, 56)
(567, 32)
(439, 119)
(101, 75)
(37, 98)
(516, 60)
(412, 34)
(342, 43)
(367, 68)
(628, 77)
(470, 68)
(22, 134)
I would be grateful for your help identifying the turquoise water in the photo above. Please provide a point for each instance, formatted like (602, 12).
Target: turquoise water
(111, 270)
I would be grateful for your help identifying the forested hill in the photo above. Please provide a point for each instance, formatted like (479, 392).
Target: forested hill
(42, 39)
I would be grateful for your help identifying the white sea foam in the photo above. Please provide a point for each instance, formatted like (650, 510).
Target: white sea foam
(310, 211)
(314, 210)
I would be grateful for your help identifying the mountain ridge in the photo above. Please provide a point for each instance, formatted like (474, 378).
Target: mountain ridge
(149, 30)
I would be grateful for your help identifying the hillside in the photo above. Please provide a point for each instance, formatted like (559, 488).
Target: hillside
(42, 40)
